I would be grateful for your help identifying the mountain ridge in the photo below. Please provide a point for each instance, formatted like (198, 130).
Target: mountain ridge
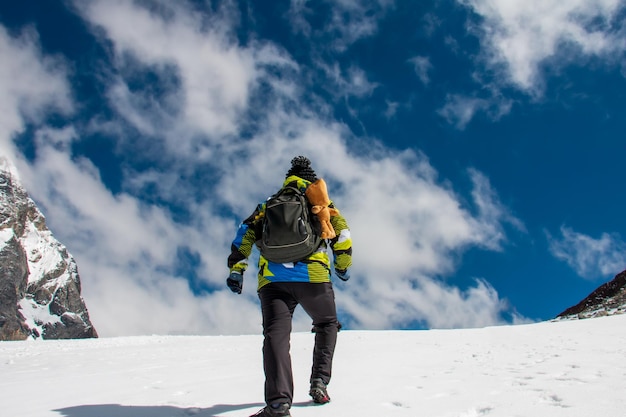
(606, 300)
(39, 281)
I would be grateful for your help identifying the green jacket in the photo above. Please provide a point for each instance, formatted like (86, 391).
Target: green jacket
(316, 268)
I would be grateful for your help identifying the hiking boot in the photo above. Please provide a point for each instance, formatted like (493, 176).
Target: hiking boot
(318, 391)
(281, 411)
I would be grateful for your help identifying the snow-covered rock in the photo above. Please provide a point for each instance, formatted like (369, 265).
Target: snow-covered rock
(39, 281)
(607, 300)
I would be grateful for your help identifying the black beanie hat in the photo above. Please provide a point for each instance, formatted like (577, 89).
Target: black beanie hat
(301, 167)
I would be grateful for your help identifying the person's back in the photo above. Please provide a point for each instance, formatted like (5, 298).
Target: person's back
(316, 267)
(284, 285)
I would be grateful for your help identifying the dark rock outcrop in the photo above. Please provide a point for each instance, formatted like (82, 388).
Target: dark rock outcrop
(40, 292)
(606, 300)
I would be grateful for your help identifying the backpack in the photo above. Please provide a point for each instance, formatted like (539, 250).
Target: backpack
(290, 232)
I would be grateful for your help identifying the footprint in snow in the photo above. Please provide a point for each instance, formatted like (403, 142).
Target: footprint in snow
(396, 404)
(477, 412)
(554, 400)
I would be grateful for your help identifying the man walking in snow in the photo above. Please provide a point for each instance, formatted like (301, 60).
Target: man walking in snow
(282, 286)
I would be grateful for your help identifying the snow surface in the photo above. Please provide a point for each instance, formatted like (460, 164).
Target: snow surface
(5, 236)
(551, 369)
(36, 316)
(45, 255)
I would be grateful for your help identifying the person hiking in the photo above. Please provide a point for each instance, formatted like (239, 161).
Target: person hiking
(284, 285)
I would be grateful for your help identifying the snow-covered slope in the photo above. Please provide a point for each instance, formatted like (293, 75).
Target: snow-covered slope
(39, 281)
(551, 369)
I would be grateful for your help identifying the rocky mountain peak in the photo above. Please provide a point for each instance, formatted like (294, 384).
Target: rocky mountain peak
(39, 282)
(606, 300)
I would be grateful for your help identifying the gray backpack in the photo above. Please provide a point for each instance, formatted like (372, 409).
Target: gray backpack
(290, 231)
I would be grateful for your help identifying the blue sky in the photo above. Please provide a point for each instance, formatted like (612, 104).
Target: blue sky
(475, 147)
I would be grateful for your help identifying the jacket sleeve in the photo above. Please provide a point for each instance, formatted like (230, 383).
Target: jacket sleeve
(244, 241)
(341, 245)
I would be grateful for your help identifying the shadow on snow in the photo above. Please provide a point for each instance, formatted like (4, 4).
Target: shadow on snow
(118, 410)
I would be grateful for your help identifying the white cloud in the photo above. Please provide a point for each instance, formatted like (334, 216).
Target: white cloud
(126, 252)
(216, 74)
(520, 37)
(521, 40)
(460, 110)
(392, 109)
(414, 236)
(422, 67)
(31, 85)
(591, 258)
(492, 214)
(348, 20)
(409, 227)
(352, 82)
(346, 23)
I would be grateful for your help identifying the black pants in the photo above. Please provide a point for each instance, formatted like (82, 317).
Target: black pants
(278, 302)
